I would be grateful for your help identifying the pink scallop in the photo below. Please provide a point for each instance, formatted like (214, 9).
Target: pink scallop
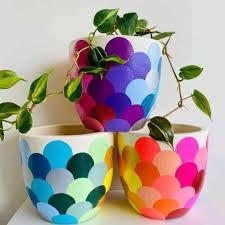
(92, 124)
(201, 158)
(80, 111)
(184, 195)
(187, 149)
(168, 186)
(86, 80)
(186, 174)
(191, 202)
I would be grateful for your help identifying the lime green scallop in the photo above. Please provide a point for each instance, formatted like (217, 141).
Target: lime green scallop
(132, 180)
(91, 213)
(98, 149)
(79, 189)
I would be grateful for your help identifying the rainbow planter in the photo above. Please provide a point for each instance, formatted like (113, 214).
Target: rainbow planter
(67, 171)
(161, 183)
(126, 96)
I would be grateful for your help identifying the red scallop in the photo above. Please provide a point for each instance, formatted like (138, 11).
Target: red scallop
(103, 113)
(152, 213)
(198, 181)
(92, 124)
(177, 213)
(146, 148)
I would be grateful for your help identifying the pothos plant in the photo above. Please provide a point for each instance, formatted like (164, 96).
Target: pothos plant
(106, 21)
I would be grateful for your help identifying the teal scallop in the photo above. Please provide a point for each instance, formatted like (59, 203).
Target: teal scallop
(97, 174)
(41, 189)
(148, 104)
(80, 165)
(58, 153)
(47, 211)
(59, 179)
(34, 199)
(95, 195)
(79, 209)
(25, 152)
(155, 53)
(64, 219)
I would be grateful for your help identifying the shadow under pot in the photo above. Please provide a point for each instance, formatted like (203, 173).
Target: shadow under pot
(126, 95)
(161, 183)
(67, 171)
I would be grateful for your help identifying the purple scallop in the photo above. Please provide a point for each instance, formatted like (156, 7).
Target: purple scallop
(133, 114)
(100, 89)
(119, 102)
(120, 46)
(120, 76)
(140, 64)
(117, 125)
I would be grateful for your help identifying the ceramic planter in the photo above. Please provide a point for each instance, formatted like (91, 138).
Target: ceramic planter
(161, 183)
(126, 96)
(67, 171)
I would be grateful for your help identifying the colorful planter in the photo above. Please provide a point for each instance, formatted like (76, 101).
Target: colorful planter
(126, 96)
(161, 183)
(67, 171)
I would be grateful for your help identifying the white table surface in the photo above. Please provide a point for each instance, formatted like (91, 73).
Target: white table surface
(117, 211)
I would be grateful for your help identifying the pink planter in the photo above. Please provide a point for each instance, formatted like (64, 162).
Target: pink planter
(161, 183)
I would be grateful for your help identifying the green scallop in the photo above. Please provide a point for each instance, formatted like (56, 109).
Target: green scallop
(79, 189)
(98, 149)
(80, 165)
(96, 195)
(91, 213)
(61, 202)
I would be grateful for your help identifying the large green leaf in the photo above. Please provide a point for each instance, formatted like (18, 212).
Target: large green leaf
(1, 131)
(141, 25)
(161, 130)
(163, 35)
(8, 109)
(105, 20)
(24, 120)
(190, 72)
(96, 56)
(202, 102)
(114, 58)
(8, 79)
(127, 24)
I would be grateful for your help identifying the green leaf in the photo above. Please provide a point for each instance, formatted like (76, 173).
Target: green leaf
(1, 131)
(141, 25)
(96, 56)
(105, 20)
(73, 90)
(163, 35)
(38, 89)
(114, 58)
(202, 103)
(127, 24)
(161, 130)
(8, 109)
(190, 72)
(92, 70)
(24, 121)
(8, 79)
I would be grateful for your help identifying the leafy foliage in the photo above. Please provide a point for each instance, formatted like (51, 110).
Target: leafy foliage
(127, 24)
(190, 72)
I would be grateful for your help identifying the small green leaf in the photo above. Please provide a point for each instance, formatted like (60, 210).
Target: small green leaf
(190, 72)
(96, 56)
(73, 90)
(163, 35)
(202, 103)
(8, 79)
(114, 58)
(92, 70)
(161, 130)
(8, 109)
(141, 25)
(1, 131)
(127, 24)
(24, 121)
(38, 89)
(105, 20)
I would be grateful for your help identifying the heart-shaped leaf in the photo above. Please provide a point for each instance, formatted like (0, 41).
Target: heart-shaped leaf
(202, 103)
(114, 58)
(96, 56)
(8, 79)
(127, 24)
(8, 109)
(24, 120)
(161, 130)
(190, 72)
(92, 70)
(141, 25)
(163, 35)
(1, 131)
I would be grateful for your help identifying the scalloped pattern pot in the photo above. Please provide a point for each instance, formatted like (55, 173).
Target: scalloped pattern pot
(127, 94)
(67, 188)
(160, 183)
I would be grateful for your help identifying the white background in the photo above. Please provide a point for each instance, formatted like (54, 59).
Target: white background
(34, 36)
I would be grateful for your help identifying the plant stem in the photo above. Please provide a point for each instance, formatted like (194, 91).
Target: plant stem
(10, 122)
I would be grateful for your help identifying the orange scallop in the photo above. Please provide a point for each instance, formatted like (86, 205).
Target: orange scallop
(167, 162)
(122, 166)
(130, 157)
(147, 172)
(135, 201)
(109, 157)
(148, 195)
(166, 206)
(120, 142)
(168, 186)
(152, 213)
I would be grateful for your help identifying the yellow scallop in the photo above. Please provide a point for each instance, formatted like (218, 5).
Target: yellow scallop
(108, 179)
(132, 180)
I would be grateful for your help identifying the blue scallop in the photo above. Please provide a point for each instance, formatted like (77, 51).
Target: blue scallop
(64, 219)
(118, 125)
(148, 104)
(58, 153)
(97, 174)
(39, 165)
(137, 86)
(32, 196)
(25, 152)
(42, 190)
(47, 211)
(154, 53)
